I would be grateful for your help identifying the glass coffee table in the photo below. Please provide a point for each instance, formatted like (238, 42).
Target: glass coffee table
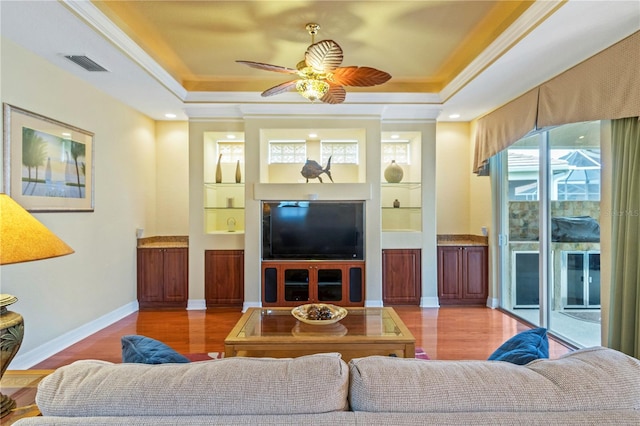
(275, 332)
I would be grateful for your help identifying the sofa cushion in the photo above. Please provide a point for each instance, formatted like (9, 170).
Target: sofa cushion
(524, 347)
(229, 386)
(146, 350)
(584, 380)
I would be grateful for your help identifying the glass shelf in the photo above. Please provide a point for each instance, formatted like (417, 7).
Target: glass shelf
(407, 195)
(224, 208)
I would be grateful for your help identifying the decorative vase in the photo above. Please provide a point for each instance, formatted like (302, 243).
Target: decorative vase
(11, 332)
(238, 174)
(396, 204)
(219, 170)
(393, 173)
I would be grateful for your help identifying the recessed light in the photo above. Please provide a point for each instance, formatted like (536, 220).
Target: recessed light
(313, 135)
(231, 136)
(395, 136)
(66, 134)
(170, 115)
(454, 116)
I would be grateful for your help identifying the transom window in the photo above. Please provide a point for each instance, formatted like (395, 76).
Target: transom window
(231, 151)
(287, 152)
(340, 151)
(398, 150)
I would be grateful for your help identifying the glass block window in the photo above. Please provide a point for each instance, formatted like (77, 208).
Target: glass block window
(287, 152)
(231, 151)
(397, 150)
(340, 151)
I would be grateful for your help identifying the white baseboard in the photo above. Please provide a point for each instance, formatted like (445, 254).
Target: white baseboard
(493, 303)
(27, 360)
(373, 304)
(429, 302)
(247, 305)
(196, 305)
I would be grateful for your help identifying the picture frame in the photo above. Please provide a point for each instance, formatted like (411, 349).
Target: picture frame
(48, 165)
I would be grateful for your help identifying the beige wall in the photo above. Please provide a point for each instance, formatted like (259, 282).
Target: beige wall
(463, 198)
(172, 163)
(57, 296)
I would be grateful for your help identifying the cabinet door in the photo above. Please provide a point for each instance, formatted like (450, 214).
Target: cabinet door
(176, 276)
(449, 273)
(474, 274)
(224, 277)
(329, 284)
(150, 276)
(296, 285)
(401, 277)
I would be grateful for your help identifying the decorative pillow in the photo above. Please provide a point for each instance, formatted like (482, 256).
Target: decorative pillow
(524, 347)
(145, 350)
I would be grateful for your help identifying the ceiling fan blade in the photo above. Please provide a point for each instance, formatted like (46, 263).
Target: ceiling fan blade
(324, 56)
(268, 67)
(283, 87)
(335, 95)
(360, 76)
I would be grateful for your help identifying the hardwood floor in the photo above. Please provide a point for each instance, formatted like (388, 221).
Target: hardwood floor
(451, 332)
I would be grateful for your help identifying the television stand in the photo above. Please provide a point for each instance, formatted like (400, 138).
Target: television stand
(296, 282)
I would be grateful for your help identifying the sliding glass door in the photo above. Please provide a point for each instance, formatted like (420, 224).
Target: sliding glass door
(550, 232)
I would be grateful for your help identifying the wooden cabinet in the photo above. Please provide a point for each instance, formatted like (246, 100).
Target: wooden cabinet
(163, 277)
(401, 276)
(224, 277)
(462, 275)
(297, 283)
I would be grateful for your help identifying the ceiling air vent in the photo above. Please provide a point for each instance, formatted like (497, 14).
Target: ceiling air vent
(85, 62)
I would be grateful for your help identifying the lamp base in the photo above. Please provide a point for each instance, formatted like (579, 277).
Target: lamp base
(6, 405)
(11, 332)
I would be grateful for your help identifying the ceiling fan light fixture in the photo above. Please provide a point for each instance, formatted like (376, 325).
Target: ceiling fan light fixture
(312, 89)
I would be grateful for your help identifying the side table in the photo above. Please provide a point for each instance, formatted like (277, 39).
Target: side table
(21, 385)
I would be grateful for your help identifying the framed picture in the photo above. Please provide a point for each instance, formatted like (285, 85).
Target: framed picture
(48, 165)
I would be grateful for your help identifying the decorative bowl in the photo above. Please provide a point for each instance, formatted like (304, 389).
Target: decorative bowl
(301, 313)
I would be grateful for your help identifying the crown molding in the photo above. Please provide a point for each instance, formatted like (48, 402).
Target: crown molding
(90, 14)
(537, 13)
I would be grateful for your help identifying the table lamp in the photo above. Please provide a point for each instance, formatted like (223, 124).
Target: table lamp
(22, 239)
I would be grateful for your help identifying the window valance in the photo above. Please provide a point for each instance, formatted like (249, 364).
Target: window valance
(605, 86)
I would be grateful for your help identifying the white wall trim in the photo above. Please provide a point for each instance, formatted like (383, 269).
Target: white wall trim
(429, 302)
(42, 352)
(373, 304)
(493, 302)
(247, 305)
(196, 305)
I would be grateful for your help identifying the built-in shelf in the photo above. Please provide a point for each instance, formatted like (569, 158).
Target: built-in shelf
(224, 208)
(401, 206)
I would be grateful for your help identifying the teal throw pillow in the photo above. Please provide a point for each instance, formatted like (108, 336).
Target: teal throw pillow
(145, 350)
(524, 347)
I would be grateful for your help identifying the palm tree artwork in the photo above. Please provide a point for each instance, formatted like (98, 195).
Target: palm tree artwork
(77, 150)
(64, 173)
(34, 153)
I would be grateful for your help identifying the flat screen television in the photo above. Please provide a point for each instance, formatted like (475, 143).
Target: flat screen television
(313, 230)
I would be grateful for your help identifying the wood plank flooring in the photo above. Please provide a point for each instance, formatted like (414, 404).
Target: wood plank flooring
(451, 332)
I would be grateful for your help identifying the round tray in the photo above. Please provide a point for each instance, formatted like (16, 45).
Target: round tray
(337, 313)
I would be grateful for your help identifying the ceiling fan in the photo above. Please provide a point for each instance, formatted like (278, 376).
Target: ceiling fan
(320, 75)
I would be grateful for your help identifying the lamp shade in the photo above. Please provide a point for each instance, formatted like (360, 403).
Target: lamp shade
(23, 238)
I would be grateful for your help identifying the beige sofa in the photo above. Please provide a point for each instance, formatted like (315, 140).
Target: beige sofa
(595, 386)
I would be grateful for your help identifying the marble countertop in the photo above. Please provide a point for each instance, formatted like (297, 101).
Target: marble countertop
(164, 242)
(462, 240)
